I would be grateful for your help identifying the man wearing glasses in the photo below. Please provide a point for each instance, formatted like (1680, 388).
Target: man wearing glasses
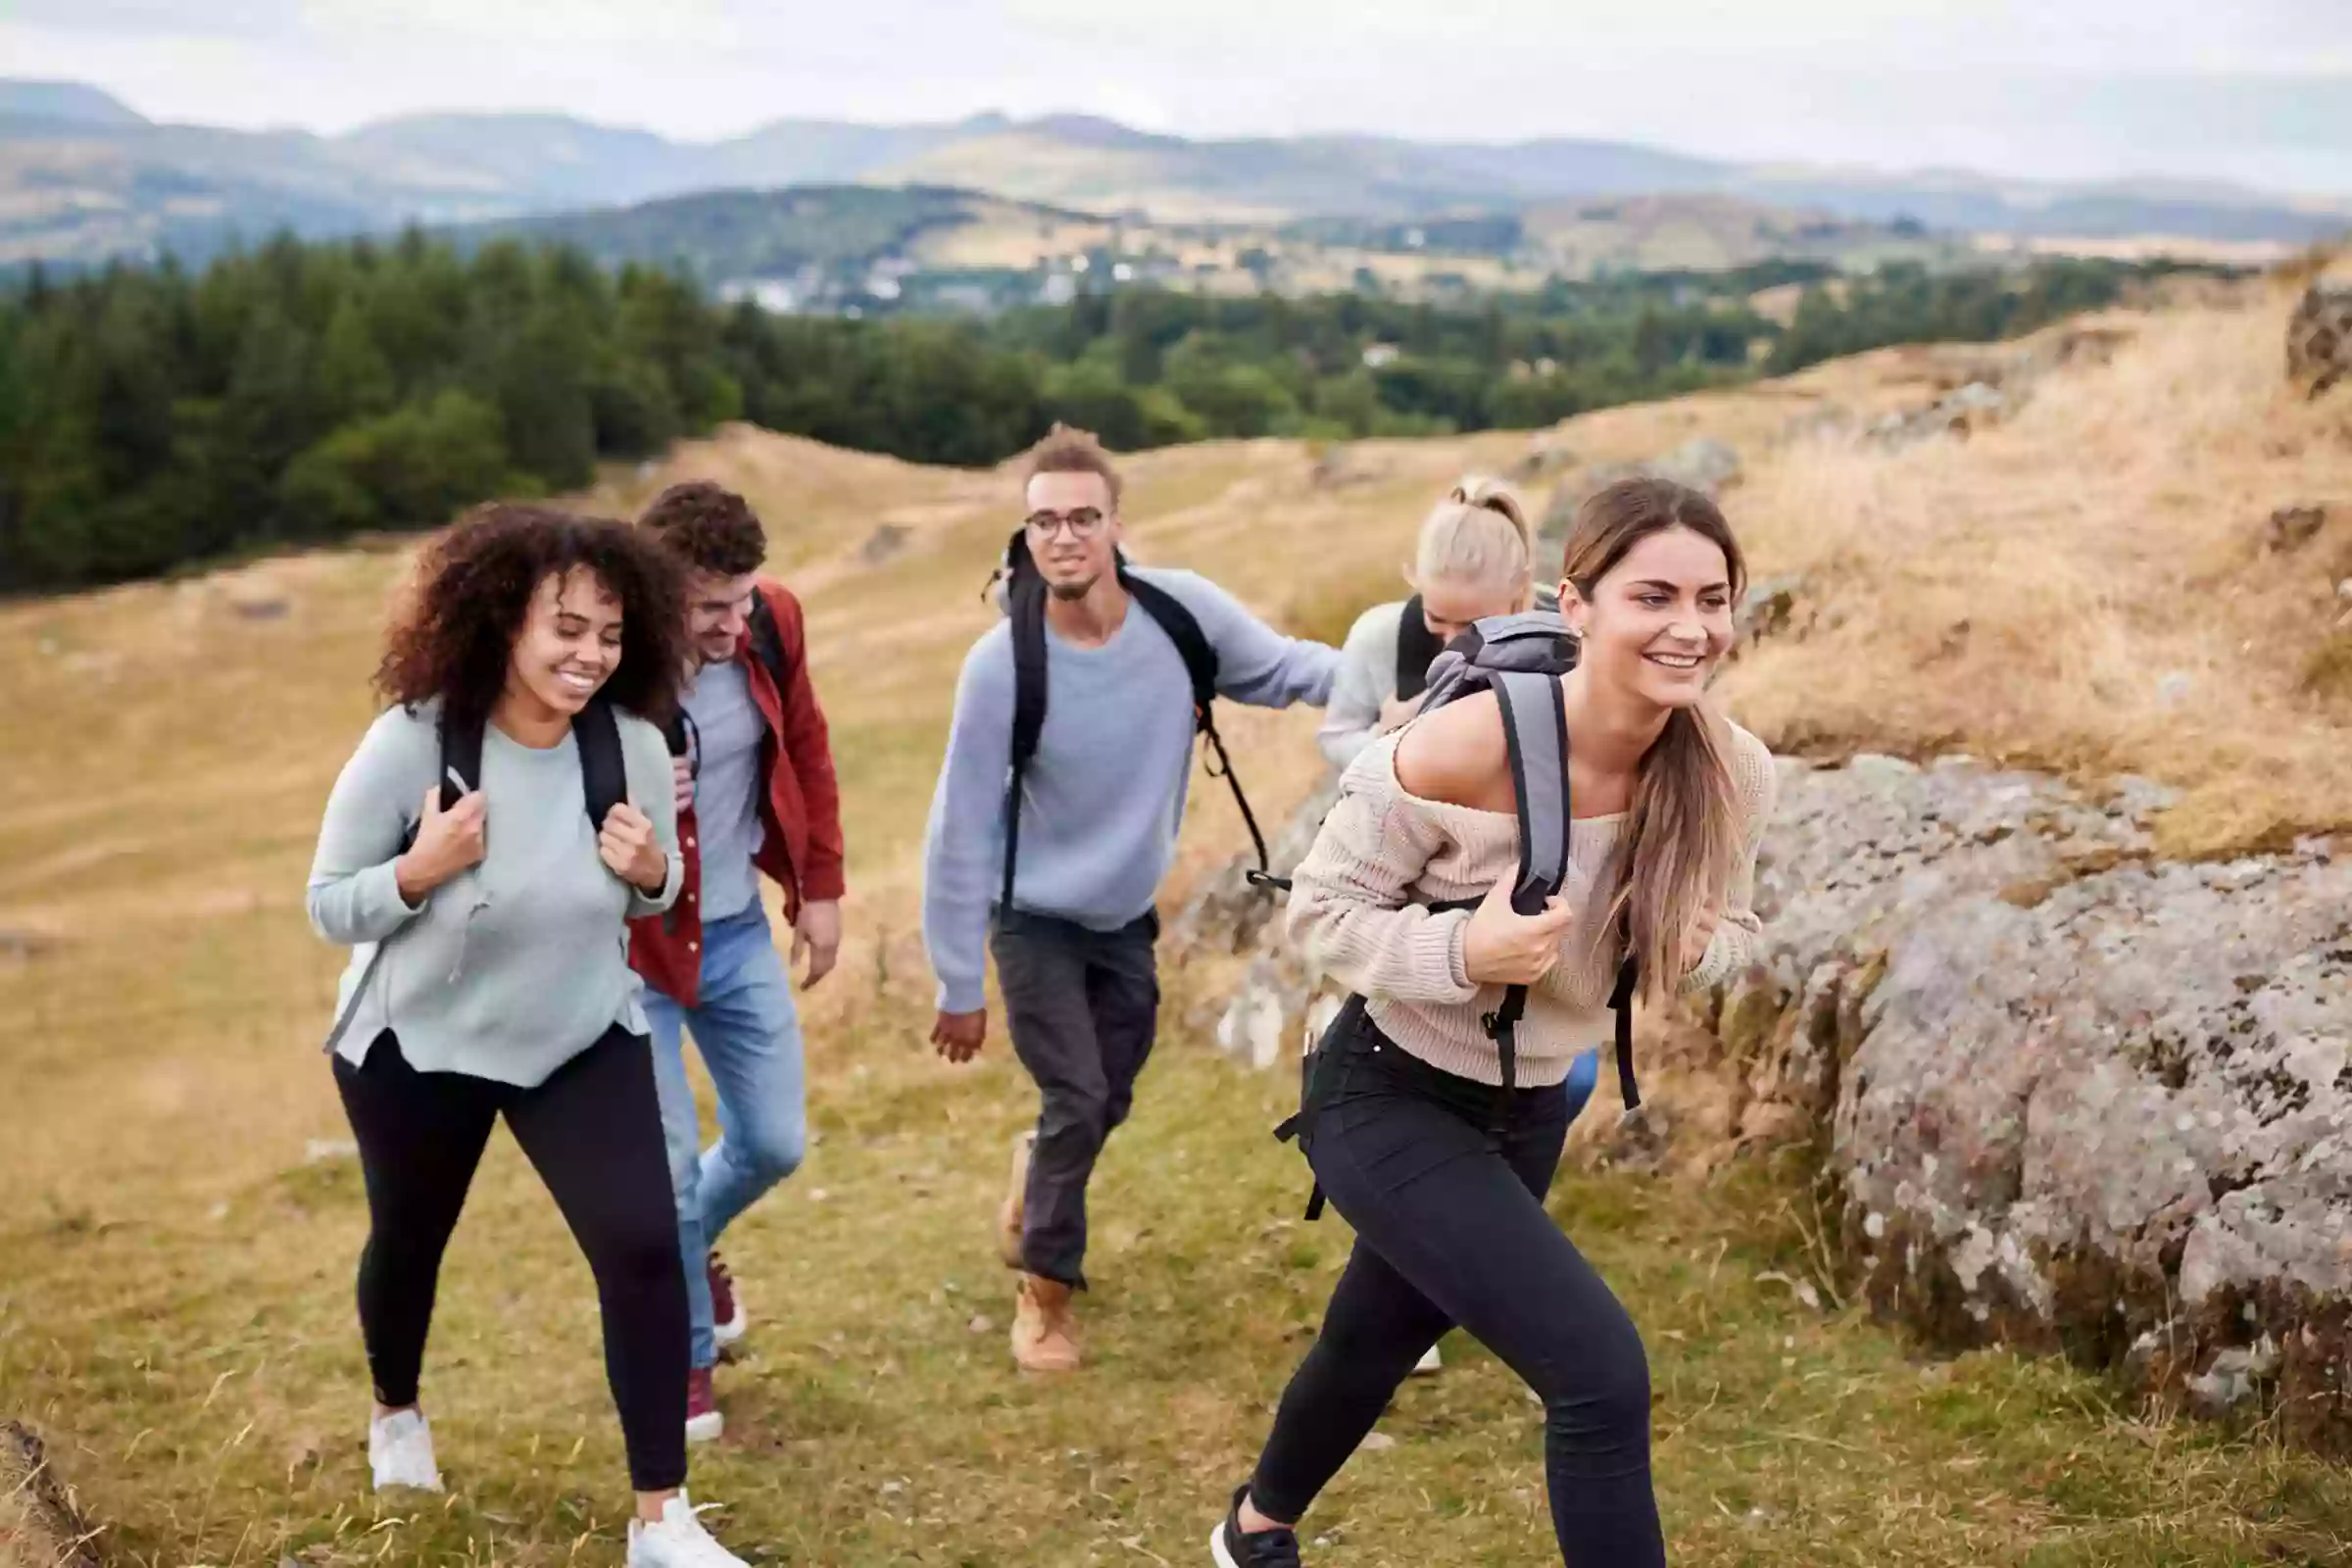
(1099, 805)
(755, 794)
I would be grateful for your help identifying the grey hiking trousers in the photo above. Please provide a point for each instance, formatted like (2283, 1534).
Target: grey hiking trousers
(1082, 1008)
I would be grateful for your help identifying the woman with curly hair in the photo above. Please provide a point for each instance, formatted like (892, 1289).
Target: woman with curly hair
(490, 973)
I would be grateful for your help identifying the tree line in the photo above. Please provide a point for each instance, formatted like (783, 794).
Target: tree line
(300, 393)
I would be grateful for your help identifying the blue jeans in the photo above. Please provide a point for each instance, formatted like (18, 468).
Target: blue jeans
(749, 1033)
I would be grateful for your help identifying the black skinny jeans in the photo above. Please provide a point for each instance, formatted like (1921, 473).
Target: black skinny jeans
(593, 1131)
(1450, 1230)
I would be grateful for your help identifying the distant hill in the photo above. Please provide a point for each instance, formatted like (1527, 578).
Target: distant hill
(72, 101)
(84, 177)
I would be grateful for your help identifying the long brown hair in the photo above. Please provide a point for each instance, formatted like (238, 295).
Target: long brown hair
(1681, 838)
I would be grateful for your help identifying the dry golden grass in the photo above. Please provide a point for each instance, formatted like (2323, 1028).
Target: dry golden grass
(174, 1310)
(2085, 586)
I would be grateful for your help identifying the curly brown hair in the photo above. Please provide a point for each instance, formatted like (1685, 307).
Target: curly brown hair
(453, 635)
(708, 527)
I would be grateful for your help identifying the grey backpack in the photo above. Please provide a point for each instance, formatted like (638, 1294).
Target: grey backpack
(1520, 658)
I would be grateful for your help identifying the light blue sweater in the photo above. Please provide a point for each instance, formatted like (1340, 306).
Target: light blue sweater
(512, 967)
(1103, 799)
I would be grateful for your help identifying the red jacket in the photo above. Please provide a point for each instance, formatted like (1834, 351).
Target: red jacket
(800, 810)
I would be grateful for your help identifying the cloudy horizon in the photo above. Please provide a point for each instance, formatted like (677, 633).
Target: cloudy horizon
(2258, 94)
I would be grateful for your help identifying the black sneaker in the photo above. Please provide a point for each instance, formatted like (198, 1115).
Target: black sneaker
(1267, 1549)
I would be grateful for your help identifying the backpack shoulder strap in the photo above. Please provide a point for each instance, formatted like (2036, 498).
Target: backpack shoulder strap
(604, 775)
(1621, 1001)
(768, 642)
(1200, 663)
(1534, 727)
(1415, 649)
(1199, 656)
(1025, 613)
(462, 754)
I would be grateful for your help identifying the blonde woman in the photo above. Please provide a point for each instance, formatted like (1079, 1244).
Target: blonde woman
(1474, 559)
(1439, 1169)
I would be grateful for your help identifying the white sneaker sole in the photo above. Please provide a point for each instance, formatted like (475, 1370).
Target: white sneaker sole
(706, 1428)
(729, 1334)
(1216, 1548)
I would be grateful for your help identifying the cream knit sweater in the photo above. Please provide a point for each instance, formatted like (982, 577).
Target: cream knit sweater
(1357, 906)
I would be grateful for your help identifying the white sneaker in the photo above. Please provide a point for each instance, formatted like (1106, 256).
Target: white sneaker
(1427, 1363)
(400, 1451)
(679, 1541)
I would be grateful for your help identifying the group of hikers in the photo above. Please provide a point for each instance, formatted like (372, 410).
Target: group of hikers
(546, 855)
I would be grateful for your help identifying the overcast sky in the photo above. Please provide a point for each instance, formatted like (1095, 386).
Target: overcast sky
(2258, 92)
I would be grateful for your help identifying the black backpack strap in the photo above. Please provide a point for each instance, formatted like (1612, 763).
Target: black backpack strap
(1621, 998)
(604, 773)
(1200, 664)
(462, 754)
(1415, 647)
(768, 642)
(1026, 614)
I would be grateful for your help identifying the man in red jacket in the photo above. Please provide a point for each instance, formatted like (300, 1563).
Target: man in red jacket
(755, 795)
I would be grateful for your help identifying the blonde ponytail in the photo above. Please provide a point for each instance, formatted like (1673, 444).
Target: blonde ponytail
(1478, 535)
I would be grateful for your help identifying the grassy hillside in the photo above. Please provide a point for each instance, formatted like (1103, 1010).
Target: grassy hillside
(175, 1253)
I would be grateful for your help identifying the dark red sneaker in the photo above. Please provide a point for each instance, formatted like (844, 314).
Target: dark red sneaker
(703, 1420)
(727, 1321)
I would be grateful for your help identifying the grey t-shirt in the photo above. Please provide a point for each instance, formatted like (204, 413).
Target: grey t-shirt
(727, 730)
(516, 966)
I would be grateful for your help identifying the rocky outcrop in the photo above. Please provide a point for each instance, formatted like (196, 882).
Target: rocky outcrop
(2319, 337)
(2290, 528)
(1702, 463)
(1977, 389)
(2071, 1098)
(1266, 1014)
(39, 1525)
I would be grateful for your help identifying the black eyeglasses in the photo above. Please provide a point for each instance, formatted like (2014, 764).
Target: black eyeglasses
(1083, 522)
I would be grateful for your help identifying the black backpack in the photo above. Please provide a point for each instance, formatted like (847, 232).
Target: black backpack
(1025, 608)
(1520, 658)
(603, 775)
(1417, 648)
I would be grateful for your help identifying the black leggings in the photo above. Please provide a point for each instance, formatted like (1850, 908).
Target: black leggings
(1450, 1229)
(594, 1133)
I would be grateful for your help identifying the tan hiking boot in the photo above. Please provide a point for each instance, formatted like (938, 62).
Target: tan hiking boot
(1014, 1211)
(1042, 1337)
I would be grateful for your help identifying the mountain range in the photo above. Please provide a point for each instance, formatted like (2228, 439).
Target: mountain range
(84, 176)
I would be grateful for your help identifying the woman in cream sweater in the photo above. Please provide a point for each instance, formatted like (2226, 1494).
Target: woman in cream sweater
(1670, 801)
